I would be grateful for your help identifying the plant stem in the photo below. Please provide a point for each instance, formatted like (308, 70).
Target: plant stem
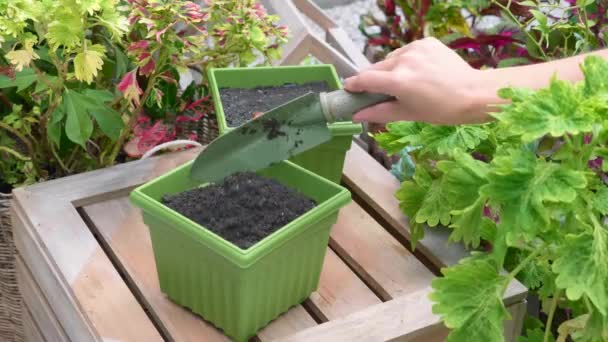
(553, 308)
(61, 164)
(21, 137)
(526, 261)
(132, 121)
(523, 29)
(14, 153)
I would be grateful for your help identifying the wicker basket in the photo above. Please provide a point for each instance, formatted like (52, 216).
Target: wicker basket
(10, 299)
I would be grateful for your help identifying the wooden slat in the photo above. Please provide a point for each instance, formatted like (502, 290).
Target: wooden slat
(315, 13)
(376, 186)
(340, 291)
(31, 331)
(294, 320)
(327, 54)
(122, 230)
(404, 316)
(338, 38)
(87, 294)
(112, 182)
(388, 267)
(40, 309)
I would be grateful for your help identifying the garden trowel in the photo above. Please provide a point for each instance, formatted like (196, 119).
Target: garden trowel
(280, 133)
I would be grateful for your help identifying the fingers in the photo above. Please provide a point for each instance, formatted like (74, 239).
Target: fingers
(381, 113)
(373, 81)
(387, 65)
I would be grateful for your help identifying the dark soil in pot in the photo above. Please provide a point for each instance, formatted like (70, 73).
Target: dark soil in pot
(240, 104)
(244, 208)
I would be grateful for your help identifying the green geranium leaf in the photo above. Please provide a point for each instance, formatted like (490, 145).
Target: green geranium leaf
(524, 184)
(469, 300)
(462, 179)
(557, 110)
(445, 139)
(435, 207)
(582, 268)
(535, 335)
(467, 224)
(399, 135)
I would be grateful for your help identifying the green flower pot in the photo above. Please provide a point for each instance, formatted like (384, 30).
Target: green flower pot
(240, 291)
(326, 160)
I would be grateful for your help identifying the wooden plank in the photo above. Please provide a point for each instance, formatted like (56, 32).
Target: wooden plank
(31, 331)
(376, 186)
(406, 318)
(40, 309)
(87, 294)
(112, 182)
(122, 230)
(514, 326)
(403, 316)
(327, 54)
(311, 10)
(340, 291)
(385, 265)
(296, 50)
(338, 38)
(294, 320)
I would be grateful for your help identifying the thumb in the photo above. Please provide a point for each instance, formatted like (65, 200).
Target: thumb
(381, 113)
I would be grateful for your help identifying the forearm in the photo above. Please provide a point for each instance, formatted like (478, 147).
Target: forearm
(528, 76)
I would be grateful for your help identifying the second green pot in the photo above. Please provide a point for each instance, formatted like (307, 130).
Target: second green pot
(326, 160)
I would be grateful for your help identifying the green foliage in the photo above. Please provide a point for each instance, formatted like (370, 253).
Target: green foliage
(77, 76)
(533, 186)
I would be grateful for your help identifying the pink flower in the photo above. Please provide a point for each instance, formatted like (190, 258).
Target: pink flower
(129, 87)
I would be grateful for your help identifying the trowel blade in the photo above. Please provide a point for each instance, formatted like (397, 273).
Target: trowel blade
(277, 135)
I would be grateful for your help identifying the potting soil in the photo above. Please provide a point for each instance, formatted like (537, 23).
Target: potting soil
(240, 104)
(244, 208)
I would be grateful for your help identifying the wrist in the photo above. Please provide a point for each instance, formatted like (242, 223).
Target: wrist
(483, 94)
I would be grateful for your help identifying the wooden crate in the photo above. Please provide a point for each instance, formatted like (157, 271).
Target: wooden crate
(87, 273)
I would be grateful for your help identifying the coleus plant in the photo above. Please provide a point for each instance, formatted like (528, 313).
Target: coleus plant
(57, 61)
(533, 185)
(79, 78)
(170, 38)
(492, 33)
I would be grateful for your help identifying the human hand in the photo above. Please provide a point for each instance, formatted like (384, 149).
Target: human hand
(431, 83)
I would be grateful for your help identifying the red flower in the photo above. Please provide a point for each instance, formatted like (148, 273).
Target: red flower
(129, 87)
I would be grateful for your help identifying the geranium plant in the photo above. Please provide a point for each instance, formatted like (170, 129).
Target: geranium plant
(533, 185)
(487, 34)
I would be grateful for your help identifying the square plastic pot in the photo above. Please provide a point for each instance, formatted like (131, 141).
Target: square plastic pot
(326, 160)
(240, 291)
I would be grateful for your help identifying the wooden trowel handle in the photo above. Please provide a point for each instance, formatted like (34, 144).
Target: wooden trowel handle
(340, 105)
